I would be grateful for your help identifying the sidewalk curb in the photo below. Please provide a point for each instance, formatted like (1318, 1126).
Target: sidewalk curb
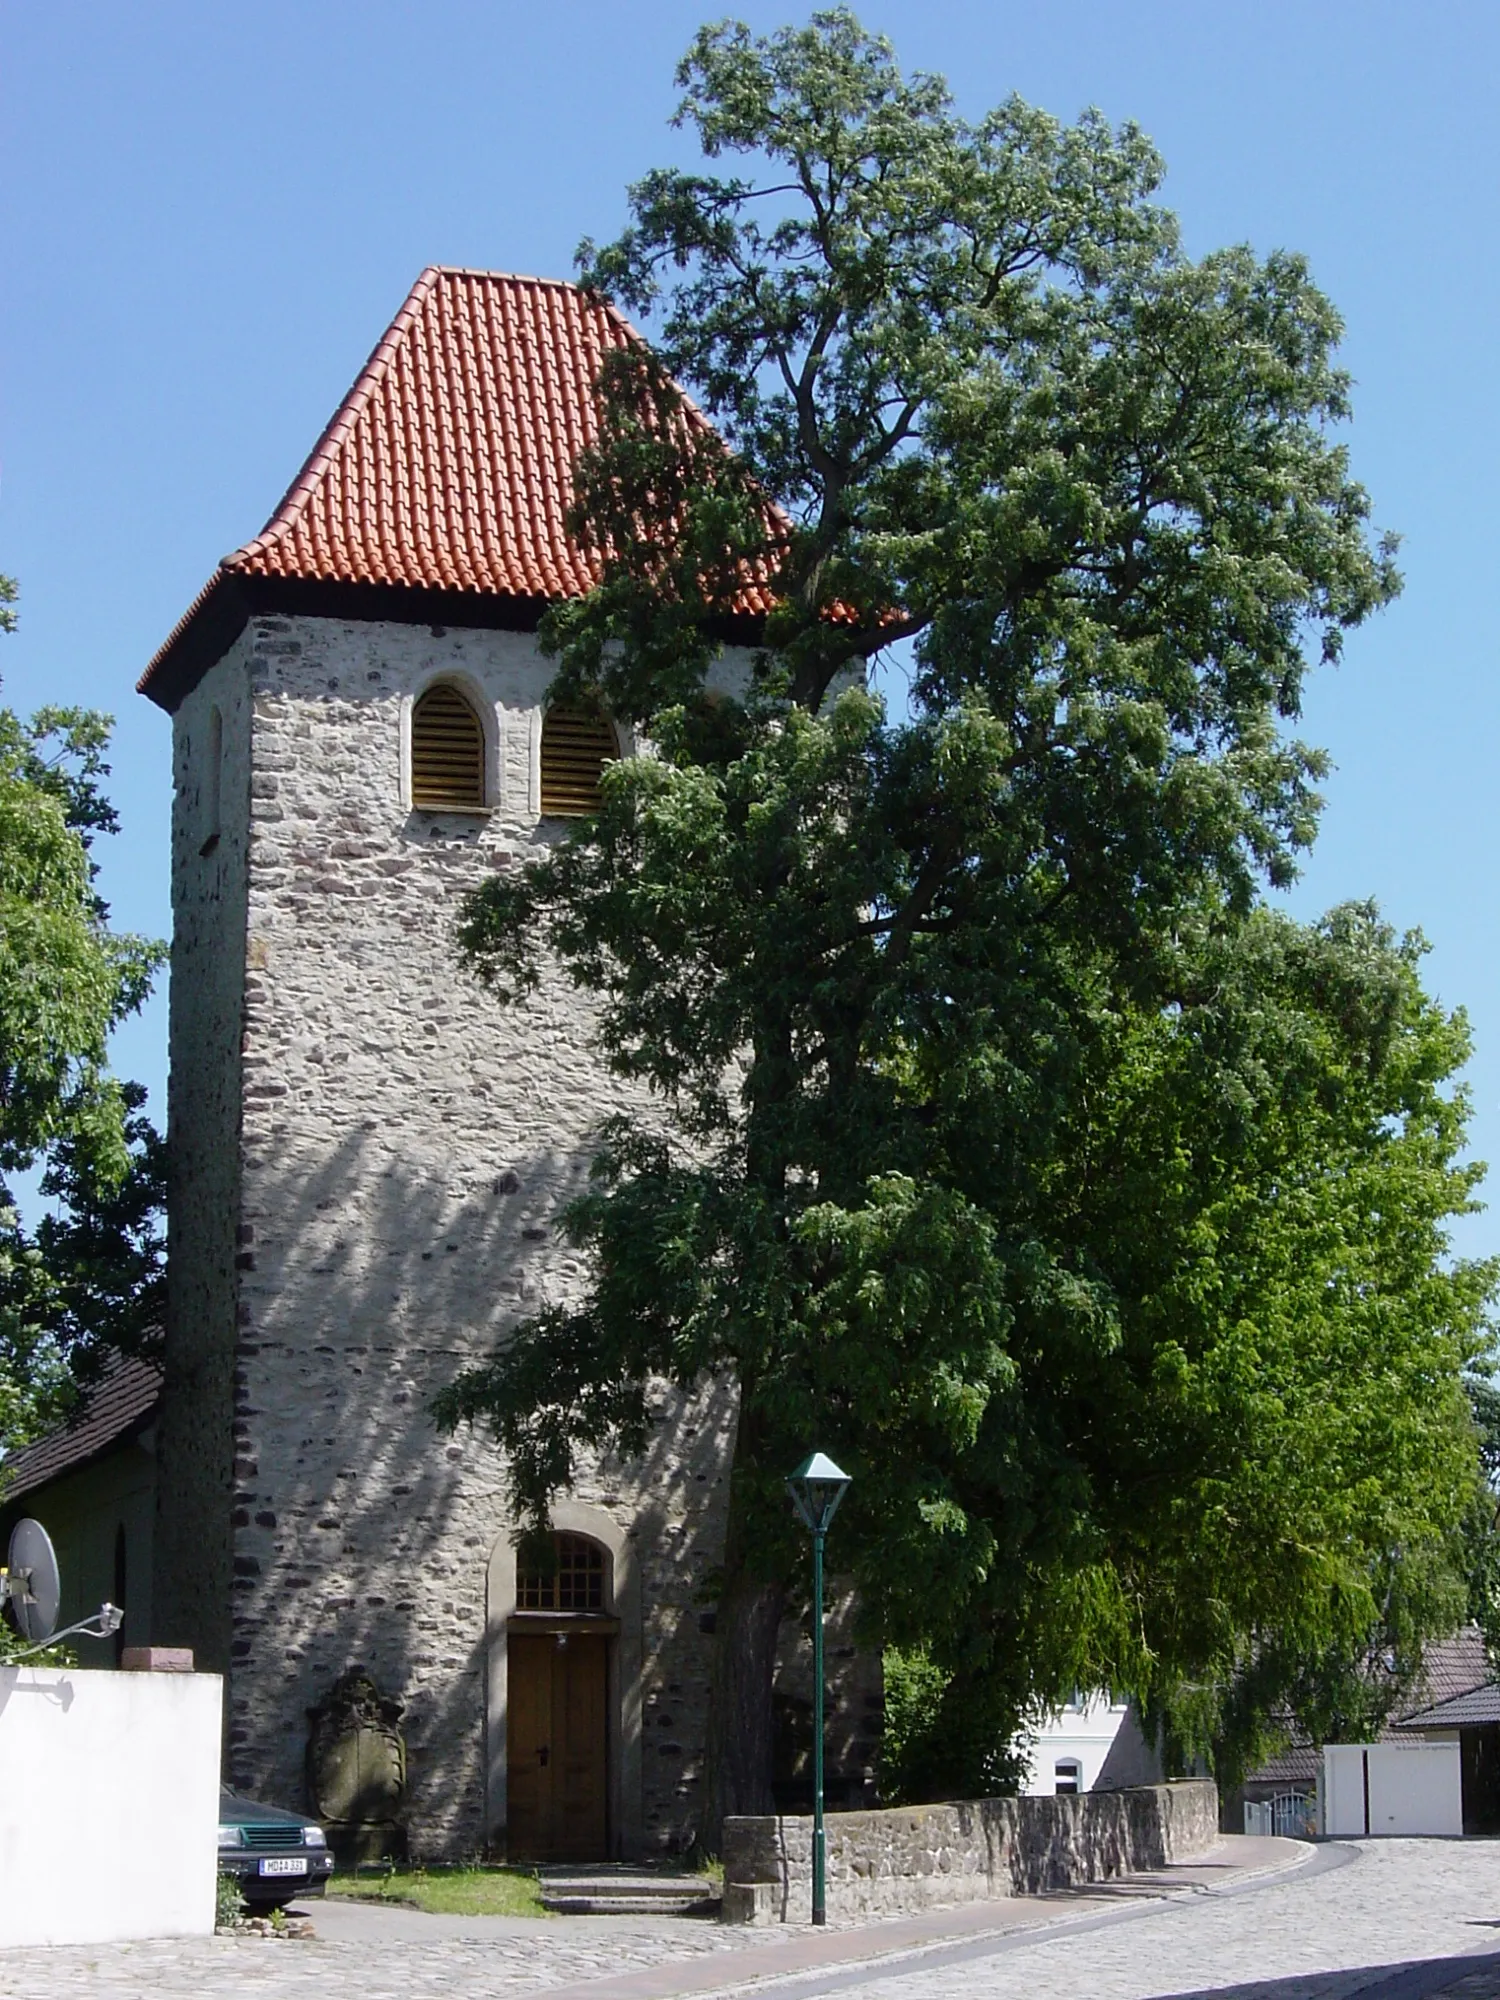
(1304, 1852)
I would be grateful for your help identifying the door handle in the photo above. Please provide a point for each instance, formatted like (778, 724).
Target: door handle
(542, 1755)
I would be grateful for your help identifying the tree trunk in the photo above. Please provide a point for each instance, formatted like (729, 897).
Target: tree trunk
(740, 1746)
(741, 1718)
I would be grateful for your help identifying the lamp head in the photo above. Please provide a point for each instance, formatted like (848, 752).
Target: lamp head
(817, 1487)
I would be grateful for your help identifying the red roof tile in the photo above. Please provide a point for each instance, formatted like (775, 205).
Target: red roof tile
(449, 465)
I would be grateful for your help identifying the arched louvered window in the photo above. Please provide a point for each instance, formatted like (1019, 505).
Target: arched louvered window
(576, 745)
(447, 752)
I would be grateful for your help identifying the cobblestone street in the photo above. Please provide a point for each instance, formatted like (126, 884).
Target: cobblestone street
(1386, 1920)
(1379, 1928)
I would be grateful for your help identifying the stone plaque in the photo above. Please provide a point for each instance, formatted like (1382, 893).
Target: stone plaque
(356, 1769)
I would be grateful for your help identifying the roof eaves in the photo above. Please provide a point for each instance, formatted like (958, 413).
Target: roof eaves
(118, 1408)
(1475, 1705)
(202, 635)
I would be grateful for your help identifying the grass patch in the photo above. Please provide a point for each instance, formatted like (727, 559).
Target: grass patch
(467, 1890)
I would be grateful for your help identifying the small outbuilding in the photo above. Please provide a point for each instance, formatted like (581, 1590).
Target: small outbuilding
(92, 1485)
(1472, 1720)
(1456, 1699)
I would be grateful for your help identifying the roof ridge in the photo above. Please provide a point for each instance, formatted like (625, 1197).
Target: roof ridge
(503, 277)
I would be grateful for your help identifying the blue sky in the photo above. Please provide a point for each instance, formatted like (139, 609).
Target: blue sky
(209, 214)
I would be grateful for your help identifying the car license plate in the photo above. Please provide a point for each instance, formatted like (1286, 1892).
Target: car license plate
(285, 1864)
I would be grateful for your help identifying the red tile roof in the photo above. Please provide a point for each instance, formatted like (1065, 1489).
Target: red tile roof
(118, 1406)
(449, 465)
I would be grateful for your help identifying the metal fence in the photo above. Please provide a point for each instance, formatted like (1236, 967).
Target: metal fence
(1293, 1815)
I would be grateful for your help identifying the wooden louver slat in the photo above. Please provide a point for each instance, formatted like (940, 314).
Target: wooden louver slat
(575, 748)
(447, 753)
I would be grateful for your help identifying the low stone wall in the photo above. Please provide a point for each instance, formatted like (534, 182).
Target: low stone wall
(916, 1857)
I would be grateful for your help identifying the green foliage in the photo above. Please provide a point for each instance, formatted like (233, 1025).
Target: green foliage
(1002, 1144)
(914, 1686)
(946, 1735)
(13, 1646)
(1482, 1527)
(229, 1905)
(88, 1277)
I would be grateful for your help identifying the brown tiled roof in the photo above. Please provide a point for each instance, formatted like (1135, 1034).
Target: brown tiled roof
(1461, 1711)
(1453, 1671)
(449, 465)
(119, 1406)
(1450, 1667)
(1296, 1765)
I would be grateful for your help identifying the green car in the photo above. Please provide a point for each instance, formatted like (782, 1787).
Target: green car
(276, 1857)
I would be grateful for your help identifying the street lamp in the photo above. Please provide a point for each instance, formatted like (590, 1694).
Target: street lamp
(817, 1487)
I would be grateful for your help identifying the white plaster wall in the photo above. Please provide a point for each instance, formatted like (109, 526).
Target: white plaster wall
(110, 1805)
(1392, 1790)
(1086, 1734)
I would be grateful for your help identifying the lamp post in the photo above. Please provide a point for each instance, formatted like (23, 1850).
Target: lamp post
(817, 1487)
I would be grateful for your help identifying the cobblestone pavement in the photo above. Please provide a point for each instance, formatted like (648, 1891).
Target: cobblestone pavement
(513, 1960)
(1405, 1920)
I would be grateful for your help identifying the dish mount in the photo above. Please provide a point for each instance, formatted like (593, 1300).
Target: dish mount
(31, 1590)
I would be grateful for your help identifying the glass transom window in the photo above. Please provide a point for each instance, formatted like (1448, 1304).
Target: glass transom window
(576, 1583)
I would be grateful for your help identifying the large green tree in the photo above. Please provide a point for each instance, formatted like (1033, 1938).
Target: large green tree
(1279, 1495)
(999, 1145)
(85, 1279)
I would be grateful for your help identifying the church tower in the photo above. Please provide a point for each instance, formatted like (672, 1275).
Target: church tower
(368, 1153)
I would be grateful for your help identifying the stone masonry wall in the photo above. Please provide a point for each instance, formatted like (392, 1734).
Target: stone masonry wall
(403, 1145)
(210, 838)
(918, 1857)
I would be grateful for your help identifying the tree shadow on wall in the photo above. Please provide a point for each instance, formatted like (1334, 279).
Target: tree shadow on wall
(371, 1276)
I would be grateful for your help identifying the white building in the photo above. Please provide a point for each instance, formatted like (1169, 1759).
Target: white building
(1093, 1744)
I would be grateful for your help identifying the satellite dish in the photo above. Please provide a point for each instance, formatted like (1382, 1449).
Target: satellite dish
(31, 1582)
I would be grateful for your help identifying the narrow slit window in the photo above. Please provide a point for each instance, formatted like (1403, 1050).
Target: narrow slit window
(213, 782)
(447, 753)
(575, 748)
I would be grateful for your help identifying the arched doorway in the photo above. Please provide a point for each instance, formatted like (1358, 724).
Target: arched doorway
(557, 1725)
(564, 1706)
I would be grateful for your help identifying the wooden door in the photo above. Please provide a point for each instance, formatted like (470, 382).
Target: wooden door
(557, 1747)
(528, 1745)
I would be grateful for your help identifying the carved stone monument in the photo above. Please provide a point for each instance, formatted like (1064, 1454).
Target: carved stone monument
(356, 1770)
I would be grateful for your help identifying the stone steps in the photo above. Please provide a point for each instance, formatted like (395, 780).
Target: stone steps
(625, 1892)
